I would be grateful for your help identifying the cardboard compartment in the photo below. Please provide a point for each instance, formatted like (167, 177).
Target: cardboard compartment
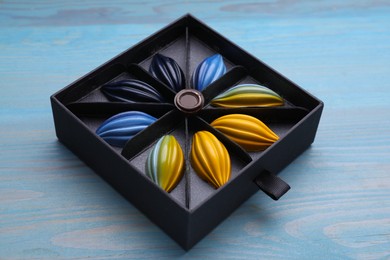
(194, 207)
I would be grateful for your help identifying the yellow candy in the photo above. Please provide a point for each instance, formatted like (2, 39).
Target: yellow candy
(247, 131)
(210, 159)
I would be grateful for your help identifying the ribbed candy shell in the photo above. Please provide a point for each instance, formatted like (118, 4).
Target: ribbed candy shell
(167, 71)
(248, 95)
(247, 131)
(209, 70)
(118, 129)
(131, 90)
(165, 163)
(210, 159)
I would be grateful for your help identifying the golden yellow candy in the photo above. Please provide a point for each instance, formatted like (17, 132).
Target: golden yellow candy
(210, 159)
(247, 131)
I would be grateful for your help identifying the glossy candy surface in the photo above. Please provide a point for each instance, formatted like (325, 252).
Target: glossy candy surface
(165, 163)
(167, 71)
(209, 70)
(247, 131)
(131, 90)
(118, 129)
(248, 95)
(210, 159)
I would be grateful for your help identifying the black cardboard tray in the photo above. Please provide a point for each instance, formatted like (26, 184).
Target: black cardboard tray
(193, 208)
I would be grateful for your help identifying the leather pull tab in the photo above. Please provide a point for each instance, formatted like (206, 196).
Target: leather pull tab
(271, 185)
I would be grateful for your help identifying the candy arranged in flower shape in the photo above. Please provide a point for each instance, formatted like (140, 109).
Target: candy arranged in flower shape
(247, 131)
(167, 71)
(210, 159)
(165, 163)
(248, 95)
(131, 90)
(118, 129)
(209, 70)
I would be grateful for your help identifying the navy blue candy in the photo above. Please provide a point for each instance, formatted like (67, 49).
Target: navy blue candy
(167, 71)
(131, 90)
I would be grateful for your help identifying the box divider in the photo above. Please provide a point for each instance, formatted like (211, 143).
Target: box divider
(230, 78)
(187, 148)
(187, 51)
(264, 113)
(151, 134)
(201, 124)
(106, 109)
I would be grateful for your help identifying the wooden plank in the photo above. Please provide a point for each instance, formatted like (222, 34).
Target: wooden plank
(53, 206)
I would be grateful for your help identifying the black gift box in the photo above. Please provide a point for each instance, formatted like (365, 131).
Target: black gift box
(194, 207)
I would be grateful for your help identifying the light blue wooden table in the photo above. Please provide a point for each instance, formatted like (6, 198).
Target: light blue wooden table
(53, 206)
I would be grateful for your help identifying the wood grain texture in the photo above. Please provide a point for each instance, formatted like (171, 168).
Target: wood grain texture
(53, 207)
